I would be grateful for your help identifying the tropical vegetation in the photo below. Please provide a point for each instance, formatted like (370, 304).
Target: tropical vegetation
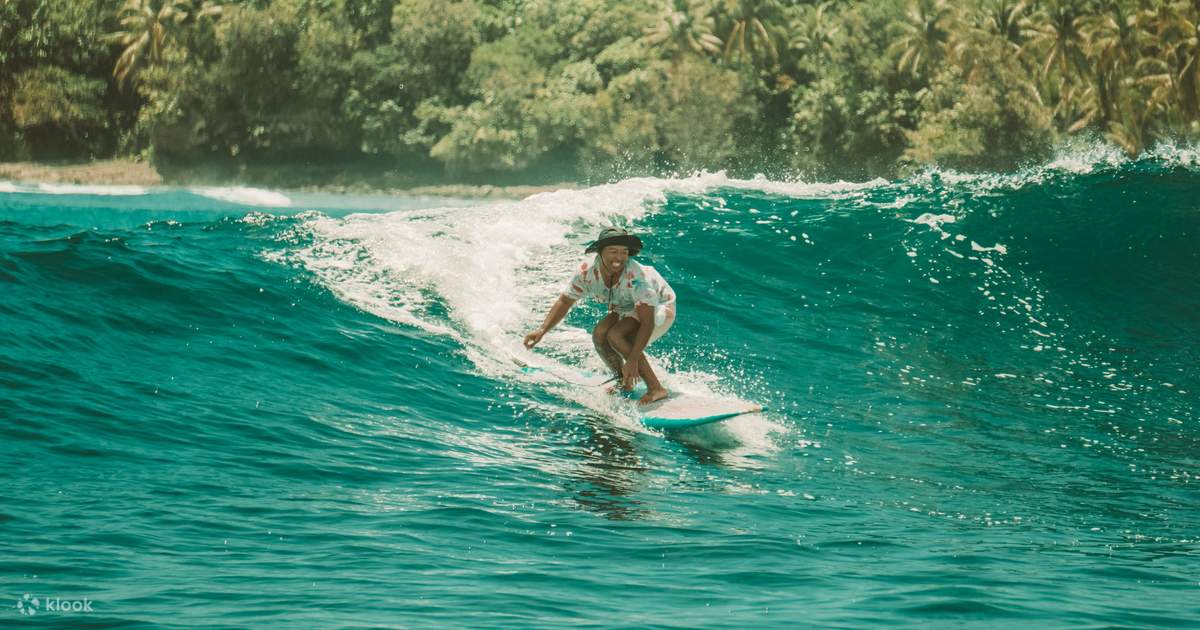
(597, 88)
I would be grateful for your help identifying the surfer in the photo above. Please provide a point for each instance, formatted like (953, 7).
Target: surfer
(641, 307)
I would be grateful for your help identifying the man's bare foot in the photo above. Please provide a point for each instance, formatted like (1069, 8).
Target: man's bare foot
(613, 390)
(653, 395)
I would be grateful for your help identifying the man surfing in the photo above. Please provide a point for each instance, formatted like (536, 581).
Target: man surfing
(641, 308)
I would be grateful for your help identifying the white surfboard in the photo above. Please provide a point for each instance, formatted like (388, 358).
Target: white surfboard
(679, 411)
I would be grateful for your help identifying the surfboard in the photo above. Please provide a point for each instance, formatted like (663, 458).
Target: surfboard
(679, 411)
(682, 412)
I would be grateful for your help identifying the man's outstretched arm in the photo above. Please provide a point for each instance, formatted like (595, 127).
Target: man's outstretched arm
(557, 312)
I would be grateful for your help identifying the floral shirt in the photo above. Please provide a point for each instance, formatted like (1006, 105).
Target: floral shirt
(638, 284)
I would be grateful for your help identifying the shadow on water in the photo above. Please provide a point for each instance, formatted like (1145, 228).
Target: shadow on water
(616, 462)
(705, 452)
(611, 470)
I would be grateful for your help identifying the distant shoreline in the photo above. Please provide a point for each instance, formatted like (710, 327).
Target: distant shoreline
(130, 172)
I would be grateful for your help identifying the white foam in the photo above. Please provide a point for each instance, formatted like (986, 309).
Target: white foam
(496, 268)
(804, 190)
(948, 177)
(934, 221)
(77, 189)
(898, 204)
(1081, 159)
(7, 187)
(246, 196)
(491, 265)
(1175, 155)
(998, 248)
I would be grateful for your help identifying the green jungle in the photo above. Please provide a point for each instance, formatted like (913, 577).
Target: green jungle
(596, 89)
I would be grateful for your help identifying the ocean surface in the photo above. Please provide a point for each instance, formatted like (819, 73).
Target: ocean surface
(246, 408)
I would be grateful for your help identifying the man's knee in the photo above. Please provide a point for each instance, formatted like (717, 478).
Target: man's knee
(600, 336)
(615, 337)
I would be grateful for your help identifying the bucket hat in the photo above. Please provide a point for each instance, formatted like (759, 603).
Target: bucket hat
(615, 236)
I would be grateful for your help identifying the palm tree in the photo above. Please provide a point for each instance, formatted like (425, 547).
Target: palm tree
(1146, 69)
(684, 25)
(146, 25)
(813, 31)
(1059, 41)
(1059, 33)
(1111, 42)
(1007, 20)
(1155, 75)
(923, 37)
(1156, 66)
(751, 31)
(1126, 55)
(998, 25)
(1178, 32)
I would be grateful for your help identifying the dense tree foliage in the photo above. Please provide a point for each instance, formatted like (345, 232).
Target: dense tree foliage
(600, 88)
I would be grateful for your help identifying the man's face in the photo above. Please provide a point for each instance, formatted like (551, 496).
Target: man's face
(614, 257)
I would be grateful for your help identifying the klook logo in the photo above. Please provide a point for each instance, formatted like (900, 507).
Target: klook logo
(30, 605)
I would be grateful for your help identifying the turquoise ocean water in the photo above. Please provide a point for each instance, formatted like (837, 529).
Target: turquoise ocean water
(242, 408)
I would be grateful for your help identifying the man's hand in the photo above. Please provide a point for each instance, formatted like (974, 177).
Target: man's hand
(629, 371)
(533, 338)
